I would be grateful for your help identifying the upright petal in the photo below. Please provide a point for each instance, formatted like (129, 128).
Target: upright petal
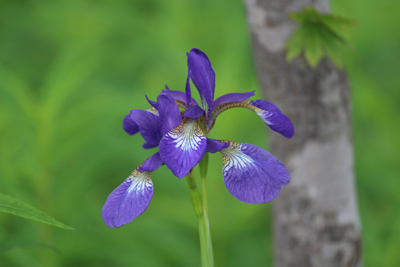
(148, 125)
(152, 103)
(128, 200)
(233, 97)
(203, 77)
(182, 148)
(169, 113)
(193, 112)
(252, 174)
(268, 112)
(178, 95)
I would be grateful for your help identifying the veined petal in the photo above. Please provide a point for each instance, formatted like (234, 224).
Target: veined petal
(128, 200)
(203, 77)
(129, 125)
(214, 146)
(273, 117)
(268, 112)
(233, 97)
(151, 164)
(178, 95)
(193, 112)
(169, 113)
(182, 148)
(252, 174)
(148, 125)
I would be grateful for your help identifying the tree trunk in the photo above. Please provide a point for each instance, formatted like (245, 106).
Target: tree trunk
(316, 216)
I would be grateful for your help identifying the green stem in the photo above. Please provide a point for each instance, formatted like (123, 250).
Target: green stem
(207, 258)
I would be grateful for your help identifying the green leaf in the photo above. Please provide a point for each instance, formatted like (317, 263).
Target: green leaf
(14, 206)
(318, 35)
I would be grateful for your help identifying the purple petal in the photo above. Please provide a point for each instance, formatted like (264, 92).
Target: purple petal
(178, 95)
(128, 200)
(193, 112)
(214, 146)
(151, 164)
(182, 148)
(233, 97)
(203, 76)
(252, 174)
(273, 117)
(148, 125)
(129, 125)
(152, 103)
(169, 113)
(148, 145)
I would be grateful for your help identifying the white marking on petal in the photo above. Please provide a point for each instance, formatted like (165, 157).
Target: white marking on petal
(233, 156)
(187, 137)
(264, 115)
(141, 182)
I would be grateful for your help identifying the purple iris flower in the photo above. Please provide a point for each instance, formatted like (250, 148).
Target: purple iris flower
(179, 127)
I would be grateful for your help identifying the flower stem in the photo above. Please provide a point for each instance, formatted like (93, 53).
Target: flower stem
(207, 258)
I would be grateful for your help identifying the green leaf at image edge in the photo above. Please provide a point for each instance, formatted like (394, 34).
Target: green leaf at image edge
(14, 206)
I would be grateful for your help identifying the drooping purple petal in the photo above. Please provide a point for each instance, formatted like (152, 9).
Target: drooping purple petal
(233, 97)
(148, 125)
(178, 95)
(203, 77)
(182, 148)
(270, 114)
(129, 125)
(128, 200)
(151, 164)
(252, 174)
(148, 145)
(273, 117)
(214, 146)
(169, 113)
(193, 112)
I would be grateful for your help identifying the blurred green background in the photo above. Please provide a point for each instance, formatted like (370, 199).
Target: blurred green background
(71, 70)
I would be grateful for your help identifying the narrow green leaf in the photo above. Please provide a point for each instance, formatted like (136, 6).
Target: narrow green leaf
(14, 206)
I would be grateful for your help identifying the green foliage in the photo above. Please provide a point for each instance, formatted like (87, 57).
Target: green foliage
(318, 35)
(14, 206)
(71, 70)
(6, 245)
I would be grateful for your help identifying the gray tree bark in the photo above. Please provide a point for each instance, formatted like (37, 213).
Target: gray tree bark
(316, 219)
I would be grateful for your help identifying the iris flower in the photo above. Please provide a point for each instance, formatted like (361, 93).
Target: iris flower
(179, 127)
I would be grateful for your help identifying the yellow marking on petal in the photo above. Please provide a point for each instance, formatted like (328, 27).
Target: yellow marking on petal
(153, 110)
(181, 104)
(233, 156)
(242, 104)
